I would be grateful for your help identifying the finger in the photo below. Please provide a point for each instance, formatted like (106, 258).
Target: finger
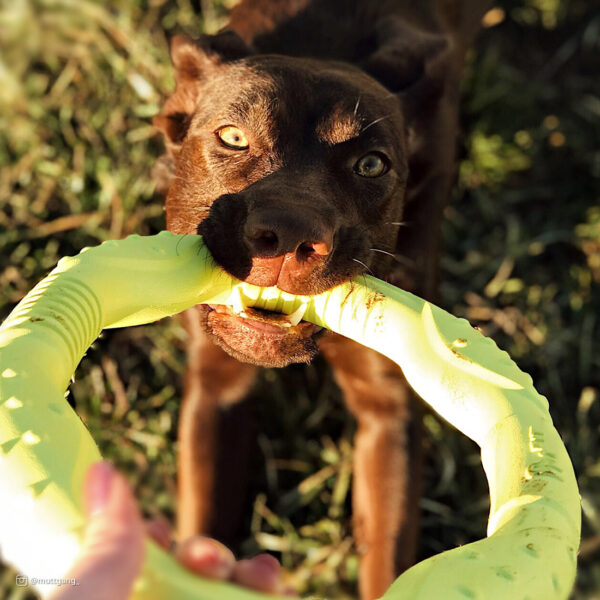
(206, 557)
(261, 573)
(113, 545)
(160, 531)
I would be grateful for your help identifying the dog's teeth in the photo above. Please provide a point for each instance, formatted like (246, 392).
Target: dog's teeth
(297, 315)
(237, 303)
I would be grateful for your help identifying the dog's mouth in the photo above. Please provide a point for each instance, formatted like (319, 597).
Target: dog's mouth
(266, 321)
(262, 337)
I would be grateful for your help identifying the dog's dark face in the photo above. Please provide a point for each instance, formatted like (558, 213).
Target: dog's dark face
(294, 172)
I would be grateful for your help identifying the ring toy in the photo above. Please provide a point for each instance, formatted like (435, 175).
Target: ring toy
(45, 449)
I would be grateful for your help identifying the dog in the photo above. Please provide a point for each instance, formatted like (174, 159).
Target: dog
(308, 142)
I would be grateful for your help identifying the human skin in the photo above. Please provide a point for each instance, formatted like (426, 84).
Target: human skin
(112, 553)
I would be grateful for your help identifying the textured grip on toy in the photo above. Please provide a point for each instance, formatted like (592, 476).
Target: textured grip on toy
(45, 449)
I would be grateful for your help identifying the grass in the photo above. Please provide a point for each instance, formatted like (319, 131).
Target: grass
(80, 82)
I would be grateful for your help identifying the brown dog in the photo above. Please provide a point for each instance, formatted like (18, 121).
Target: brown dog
(299, 139)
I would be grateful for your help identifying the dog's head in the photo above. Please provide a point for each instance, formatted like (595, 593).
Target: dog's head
(294, 171)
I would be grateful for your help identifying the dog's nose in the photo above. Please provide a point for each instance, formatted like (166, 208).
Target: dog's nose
(276, 233)
(286, 248)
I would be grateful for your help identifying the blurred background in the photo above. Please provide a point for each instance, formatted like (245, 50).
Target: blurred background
(79, 84)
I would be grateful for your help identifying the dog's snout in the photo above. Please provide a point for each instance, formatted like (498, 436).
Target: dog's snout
(277, 233)
(287, 246)
(262, 242)
(321, 248)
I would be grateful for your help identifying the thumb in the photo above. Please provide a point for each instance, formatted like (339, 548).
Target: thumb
(113, 547)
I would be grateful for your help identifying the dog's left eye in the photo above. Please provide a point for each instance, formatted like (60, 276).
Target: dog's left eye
(373, 164)
(233, 137)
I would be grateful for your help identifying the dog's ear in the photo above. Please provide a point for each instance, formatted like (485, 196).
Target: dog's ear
(194, 61)
(409, 62)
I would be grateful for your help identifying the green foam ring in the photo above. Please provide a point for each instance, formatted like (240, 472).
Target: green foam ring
(45, 450)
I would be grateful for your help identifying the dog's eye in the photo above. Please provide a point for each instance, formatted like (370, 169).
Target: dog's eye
(373, 164)
(233, 137)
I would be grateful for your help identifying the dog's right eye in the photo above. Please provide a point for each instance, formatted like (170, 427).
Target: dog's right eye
(373, 164)
(233, 137)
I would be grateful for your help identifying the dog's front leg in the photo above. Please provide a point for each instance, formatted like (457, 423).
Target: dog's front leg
(387, 461)
(215, 439)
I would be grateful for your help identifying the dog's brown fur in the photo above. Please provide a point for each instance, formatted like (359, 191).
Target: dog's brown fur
(315, 85)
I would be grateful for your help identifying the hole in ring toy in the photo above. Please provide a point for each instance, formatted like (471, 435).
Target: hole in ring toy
(45, 450)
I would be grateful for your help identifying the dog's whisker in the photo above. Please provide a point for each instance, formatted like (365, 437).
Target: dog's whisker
(356, 106)
(382, 252)
(399, 258)
(398, 223)
(375, 122)
(363, 264)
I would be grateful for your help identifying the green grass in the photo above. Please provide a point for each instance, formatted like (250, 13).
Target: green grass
(80, 82)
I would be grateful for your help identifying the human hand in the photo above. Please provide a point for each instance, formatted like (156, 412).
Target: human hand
(113, 547)
(209, 558)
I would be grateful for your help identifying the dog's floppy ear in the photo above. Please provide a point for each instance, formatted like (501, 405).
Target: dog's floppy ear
(194, 61)
(408, 61)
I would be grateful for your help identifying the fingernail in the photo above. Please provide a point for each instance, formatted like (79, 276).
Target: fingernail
(267, 563)
(99, 486)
